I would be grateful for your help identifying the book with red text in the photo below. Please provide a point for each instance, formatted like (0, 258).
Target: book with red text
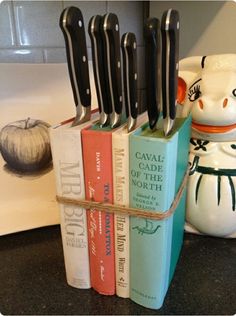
(69, 178)
(97, 159)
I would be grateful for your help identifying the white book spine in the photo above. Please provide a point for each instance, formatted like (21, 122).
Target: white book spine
(69, 176)
(120, 157)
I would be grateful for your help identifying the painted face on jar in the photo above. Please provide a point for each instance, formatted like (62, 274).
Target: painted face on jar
(210, 96)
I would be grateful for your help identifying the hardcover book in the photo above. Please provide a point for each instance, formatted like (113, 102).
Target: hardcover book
(157, 168)
(97, 157)
(120, 155)
(69, 175)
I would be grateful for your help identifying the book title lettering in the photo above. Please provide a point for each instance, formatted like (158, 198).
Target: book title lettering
(92, 222)
(149, 173)
(148, 176)
(119, 180)
(108, 218)
(74, 218)
(121, 239)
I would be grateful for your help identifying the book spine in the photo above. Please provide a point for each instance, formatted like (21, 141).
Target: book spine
(152, 186)
(69, 176)
(179, 214)
(120, 152)
(97, 157)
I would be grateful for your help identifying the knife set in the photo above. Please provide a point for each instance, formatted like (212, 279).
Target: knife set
(101, 160)
(161, 61)
(106, 58)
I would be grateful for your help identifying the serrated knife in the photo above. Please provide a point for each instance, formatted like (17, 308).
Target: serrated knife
(152, 69)
(129, 53)
(170, 60)
(94, 30)
(72, 26)
(111, 36)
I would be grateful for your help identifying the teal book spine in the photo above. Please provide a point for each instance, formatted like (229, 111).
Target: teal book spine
(158, 165)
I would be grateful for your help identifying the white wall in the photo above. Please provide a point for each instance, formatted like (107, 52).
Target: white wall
(206, 27)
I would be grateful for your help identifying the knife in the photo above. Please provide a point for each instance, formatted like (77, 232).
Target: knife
(170, 59)
(94, 30)
(152, 66)
(129, 53)
(111, 36)
(72, 26)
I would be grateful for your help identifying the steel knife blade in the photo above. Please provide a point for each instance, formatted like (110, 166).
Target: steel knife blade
(170, 60)
(129, 53)
(111, 36)
(94, 30)
(72, 26)
(152, 69)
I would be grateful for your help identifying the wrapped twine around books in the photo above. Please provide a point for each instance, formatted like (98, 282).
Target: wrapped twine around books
(118, 209)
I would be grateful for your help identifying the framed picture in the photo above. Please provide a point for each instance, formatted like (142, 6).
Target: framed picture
(32, 97)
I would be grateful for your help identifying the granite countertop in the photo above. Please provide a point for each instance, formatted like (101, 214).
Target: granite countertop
(32, 279)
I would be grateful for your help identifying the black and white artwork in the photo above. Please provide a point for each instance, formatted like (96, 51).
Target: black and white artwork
(33, 97)
(25, 146)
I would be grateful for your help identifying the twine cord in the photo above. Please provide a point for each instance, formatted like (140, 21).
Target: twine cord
(123, 210)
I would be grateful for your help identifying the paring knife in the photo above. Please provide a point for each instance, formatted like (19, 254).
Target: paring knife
(170, 59)
(129, 53)
(94, 30)
(72, 26)
(153, 71)
(111, 35)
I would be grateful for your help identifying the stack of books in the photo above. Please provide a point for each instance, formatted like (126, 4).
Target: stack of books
(115, 253)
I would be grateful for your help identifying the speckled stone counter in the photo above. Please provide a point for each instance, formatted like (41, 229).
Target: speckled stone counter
(32, 279)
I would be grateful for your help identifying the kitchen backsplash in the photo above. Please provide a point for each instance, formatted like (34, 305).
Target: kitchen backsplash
(30, 31)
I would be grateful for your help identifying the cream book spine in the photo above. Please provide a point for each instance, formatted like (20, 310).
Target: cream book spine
(120, 165)
(69, 177)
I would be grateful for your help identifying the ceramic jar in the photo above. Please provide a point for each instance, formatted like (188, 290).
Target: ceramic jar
(207, 91)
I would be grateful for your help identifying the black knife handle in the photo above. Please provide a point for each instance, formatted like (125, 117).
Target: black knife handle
(129, 53)
(111, 35)
(94, 30)
(170, 59)
(152, 51)
(72, 26)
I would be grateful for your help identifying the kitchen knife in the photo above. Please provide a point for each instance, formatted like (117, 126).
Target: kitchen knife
(94, 30)
(152, 67)
(129, 53)
(170, 59)
(72, 26)
(111, 36)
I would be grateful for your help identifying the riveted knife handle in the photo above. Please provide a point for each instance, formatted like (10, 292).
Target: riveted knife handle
(170, 59)
(94, 30)
(129, 53)
(111, 35)
(72, 26)
(152, 51)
